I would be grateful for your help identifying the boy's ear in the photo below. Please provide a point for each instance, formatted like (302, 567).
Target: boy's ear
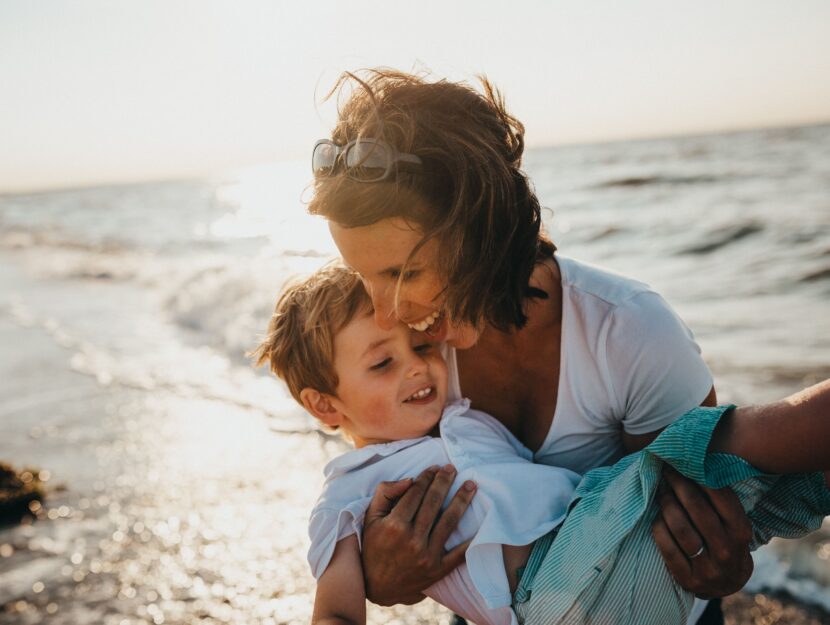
(320, 405)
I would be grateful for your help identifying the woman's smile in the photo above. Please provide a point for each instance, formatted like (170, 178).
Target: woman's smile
(424, 324)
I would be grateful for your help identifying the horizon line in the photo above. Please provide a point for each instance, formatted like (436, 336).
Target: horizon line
(59, 187)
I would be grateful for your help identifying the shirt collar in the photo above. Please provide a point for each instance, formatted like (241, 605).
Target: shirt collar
(357, 458)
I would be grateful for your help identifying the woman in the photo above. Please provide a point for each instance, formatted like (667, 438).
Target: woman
(422, 187)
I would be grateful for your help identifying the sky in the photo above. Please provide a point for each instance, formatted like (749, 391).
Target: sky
(102, 91)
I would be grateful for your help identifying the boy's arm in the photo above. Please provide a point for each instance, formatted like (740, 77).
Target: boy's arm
(341, 595)
(789, 436)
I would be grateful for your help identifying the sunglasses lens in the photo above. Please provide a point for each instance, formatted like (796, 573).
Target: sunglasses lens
(323, 158)
(367, 161)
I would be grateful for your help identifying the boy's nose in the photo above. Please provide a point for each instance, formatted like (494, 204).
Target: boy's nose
(418, 366)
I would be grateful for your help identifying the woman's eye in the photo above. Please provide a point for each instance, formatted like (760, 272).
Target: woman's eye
(409, 275)
(381, 365)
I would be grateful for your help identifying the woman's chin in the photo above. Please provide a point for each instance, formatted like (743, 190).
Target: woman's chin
(438, 331)
(463, 342)
(461, 337)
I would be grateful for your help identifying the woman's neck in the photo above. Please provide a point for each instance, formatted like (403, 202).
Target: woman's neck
(514, 375)
(543, 314)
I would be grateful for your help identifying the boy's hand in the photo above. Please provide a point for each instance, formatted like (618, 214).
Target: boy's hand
(404, 533)
(704, 537)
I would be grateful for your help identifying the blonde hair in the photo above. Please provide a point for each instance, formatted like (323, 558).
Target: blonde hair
(299, 346)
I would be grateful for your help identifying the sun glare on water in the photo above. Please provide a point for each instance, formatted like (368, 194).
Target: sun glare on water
(269, 200)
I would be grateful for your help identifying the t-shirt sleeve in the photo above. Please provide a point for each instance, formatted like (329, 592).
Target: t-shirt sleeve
(327, 526)
(654, 366)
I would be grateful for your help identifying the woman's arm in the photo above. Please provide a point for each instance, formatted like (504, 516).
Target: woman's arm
(789, 436)
(785, 437)
(404, 533)
(341, 598)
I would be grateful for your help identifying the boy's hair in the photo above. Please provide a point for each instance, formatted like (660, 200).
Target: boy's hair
(299, 346)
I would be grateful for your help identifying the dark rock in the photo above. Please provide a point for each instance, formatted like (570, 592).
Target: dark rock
(18, 491)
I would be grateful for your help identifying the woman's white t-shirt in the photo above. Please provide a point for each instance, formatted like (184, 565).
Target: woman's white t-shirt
(628, 363)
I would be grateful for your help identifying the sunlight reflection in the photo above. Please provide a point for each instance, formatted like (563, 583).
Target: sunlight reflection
(266, 200)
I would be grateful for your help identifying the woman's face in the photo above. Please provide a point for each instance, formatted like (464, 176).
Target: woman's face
(378, 252)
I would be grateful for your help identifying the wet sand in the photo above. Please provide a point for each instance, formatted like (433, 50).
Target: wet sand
(168, 507)
(761, 609)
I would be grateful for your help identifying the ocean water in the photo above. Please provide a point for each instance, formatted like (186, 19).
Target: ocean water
(159, 289)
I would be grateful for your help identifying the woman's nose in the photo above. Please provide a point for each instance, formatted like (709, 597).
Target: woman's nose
(384, 317)
(384, 309)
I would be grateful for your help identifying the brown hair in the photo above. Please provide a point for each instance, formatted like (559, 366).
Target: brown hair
(480, 206)
(299, 345)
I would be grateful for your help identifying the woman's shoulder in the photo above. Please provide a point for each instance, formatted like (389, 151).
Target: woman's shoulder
(592, 282)
(606, 308)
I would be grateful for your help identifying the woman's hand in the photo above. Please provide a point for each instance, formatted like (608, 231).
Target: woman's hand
(404, 533)
(704, 537)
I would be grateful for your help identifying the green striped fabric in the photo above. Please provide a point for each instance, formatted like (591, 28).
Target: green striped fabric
(603, 566)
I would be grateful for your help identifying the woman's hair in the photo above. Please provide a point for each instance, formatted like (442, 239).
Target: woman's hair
(471, 195)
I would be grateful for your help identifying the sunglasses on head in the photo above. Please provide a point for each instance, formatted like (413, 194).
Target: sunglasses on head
(365, 160)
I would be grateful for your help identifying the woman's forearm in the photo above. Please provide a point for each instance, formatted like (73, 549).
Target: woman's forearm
(789, 436)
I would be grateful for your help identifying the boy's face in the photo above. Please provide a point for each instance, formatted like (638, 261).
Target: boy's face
(392, 384)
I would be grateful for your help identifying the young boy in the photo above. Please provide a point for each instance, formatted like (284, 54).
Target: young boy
(584, 547)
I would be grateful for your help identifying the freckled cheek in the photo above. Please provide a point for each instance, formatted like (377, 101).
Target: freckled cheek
(377, 404)
(424, 296)
(438, 368)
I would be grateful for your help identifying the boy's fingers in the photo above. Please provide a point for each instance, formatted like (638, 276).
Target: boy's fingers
(386, 496)
(432, 500)
(452, 515)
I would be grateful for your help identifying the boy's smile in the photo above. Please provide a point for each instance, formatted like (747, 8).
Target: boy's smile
(392, 384)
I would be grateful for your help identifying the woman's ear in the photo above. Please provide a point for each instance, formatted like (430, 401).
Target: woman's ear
(320, 405)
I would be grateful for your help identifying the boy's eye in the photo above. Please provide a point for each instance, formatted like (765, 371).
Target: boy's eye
(383, 363)
(423, 347)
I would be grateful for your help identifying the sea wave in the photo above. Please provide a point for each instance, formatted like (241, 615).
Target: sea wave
(715, 240)
(659, 179)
